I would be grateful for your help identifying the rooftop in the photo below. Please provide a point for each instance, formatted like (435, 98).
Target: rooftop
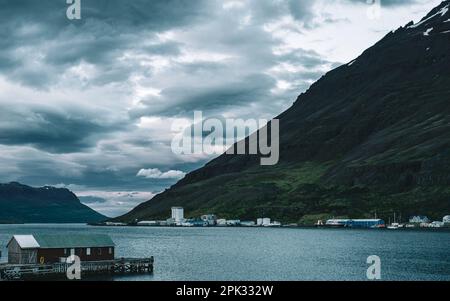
(26, 241)
(63, 241)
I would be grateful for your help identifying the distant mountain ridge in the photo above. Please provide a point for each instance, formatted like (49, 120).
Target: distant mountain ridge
(371, 137)
(24, 204)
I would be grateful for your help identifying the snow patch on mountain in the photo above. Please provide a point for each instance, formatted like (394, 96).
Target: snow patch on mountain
(441, 12)
(427, 32)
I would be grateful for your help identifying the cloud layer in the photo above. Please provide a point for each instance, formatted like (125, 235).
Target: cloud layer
(155, 173)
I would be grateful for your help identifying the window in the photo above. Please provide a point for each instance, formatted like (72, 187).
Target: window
(65, 251)
(99, 251)
(88, 251)
(110, 251)
(72, 251)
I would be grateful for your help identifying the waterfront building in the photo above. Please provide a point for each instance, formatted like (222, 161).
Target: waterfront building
(368, 223)
(197, 223)
(33, 249)
(187, 224)
(356, 223)
(211, 219)
(170, 222)
(273, 224)
(233, 222)
(248, 223)
(164, 223)
(178, 214)
(147, 223)
(419, 219)
(338, 223)
(263, 222)
(436, 225)
(115, 224)
(221, 222)
(266, 221)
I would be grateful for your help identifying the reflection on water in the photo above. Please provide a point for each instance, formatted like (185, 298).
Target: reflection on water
(269, 254)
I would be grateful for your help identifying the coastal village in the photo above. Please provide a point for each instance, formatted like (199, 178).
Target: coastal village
(178, 219)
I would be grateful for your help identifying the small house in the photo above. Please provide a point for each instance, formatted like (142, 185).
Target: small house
(419, 219)
(33, 249)
(446, 219)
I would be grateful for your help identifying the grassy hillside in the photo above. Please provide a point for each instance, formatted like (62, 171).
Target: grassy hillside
(293, 194)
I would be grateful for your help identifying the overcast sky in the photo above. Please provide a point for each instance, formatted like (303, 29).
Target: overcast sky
(89, 104)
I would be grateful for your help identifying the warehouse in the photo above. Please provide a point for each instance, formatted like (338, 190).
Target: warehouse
(32, 249)
(356, 223)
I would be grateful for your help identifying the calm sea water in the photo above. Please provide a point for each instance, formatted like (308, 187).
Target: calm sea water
(269, 254)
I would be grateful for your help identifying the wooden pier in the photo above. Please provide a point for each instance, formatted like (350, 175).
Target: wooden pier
(58, 270)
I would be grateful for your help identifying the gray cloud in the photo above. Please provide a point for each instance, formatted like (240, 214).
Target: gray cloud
(39, 30)
(52, 130)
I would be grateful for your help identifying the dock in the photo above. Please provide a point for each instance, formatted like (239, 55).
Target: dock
(120, 266)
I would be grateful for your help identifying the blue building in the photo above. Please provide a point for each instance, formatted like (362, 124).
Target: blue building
(356, 223)
(368, 223)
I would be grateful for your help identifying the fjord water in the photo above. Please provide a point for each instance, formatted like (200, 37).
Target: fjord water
(269, 254)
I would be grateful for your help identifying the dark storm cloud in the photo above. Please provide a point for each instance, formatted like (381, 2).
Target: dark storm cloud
(52, 130)
(154, 14)
(108, 27)
(184, 99)
(39, 30)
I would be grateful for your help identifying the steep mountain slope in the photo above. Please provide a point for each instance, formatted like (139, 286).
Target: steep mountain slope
(24, 204)
(372, 136)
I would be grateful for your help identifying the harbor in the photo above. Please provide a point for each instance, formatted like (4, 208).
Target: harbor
(178, 219)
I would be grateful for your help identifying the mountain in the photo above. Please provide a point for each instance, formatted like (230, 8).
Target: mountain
(371, 137)
(23, 204)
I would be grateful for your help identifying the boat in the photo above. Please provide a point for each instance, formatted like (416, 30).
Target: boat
(393, 226)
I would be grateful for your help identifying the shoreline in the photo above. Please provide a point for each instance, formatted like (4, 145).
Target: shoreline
(305, 227)
(417, 229)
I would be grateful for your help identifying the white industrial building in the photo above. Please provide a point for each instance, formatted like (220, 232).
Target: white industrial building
(147, 223)
(221, 222)
(263, 222)
(178, 214)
